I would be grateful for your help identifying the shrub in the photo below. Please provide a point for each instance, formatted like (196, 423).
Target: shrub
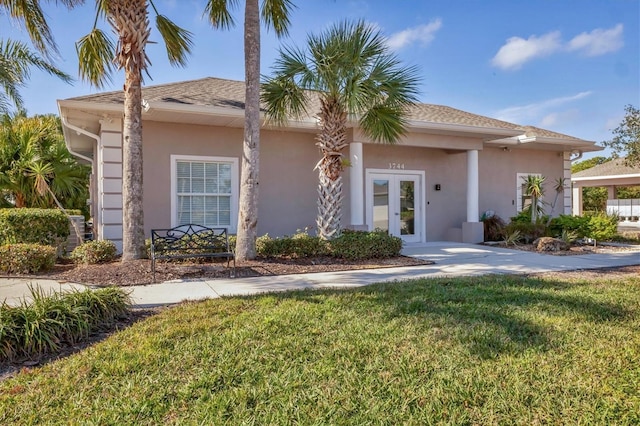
(300, 244)
(601, 227)
(33, 226)
(598, 226)
(44, 324)
(93, 252)
(493, 228)
(26, 258)
(528, 231)
(357, 245)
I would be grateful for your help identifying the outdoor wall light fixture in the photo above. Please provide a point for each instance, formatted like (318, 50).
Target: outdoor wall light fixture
(506, 149)
(437, 187)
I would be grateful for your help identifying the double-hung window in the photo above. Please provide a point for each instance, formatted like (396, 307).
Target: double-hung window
(204, 191)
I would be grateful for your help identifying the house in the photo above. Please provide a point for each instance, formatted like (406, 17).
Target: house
(611, 174)
(433, 185)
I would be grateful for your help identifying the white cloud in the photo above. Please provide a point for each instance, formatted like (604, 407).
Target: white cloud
(524, 114)
(517, 50)
(598, 41)
(423, 34)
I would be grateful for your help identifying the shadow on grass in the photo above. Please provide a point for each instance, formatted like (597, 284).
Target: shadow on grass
(491, 315)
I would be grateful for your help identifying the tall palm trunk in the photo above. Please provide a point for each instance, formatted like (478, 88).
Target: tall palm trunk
(130, 20)
(249, 177)
(331, 140)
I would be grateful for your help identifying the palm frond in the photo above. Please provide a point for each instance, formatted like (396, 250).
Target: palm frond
(218, 13)
(95, 57)
(30, 14)
(275, 13)
(283, 99)
(177, 40)
(16, 61)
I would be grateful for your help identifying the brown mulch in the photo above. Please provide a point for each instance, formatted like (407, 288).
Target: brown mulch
(139, 271)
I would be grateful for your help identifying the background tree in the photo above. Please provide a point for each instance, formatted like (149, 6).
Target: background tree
(35, 165)
(275, 13)
(593, 198)
(96, 54)
(626, 140)
(17, 59)
(351, 70)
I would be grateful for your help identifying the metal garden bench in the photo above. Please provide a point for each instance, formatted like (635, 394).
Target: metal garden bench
(187, 241)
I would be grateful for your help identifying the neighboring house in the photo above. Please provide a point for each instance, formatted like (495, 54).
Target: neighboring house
(610, 175)
(433, 185)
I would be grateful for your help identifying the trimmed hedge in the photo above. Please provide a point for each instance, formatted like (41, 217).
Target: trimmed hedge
(358, 245)
(599, 226)
(33, 226)
(298, 245)
(351, 245)
(26, 258)
(93, 252)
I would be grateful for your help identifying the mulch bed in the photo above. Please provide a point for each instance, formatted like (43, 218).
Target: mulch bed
(139, 271)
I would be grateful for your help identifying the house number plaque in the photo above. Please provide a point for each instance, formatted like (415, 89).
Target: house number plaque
(396, 166)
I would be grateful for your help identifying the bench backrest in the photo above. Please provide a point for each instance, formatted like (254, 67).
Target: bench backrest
(190, 238)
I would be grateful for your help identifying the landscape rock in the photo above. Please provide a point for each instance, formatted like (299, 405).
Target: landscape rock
(550, 244)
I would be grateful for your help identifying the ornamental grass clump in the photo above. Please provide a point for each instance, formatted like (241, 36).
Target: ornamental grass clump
(47, 322)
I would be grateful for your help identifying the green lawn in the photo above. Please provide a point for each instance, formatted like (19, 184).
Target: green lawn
(489, 350)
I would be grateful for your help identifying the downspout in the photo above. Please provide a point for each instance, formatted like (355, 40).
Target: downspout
(90, 160)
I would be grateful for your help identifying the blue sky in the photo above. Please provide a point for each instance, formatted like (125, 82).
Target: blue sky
(566, 65)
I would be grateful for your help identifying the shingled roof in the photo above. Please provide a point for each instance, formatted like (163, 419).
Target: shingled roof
(230, 94)
(614, 167)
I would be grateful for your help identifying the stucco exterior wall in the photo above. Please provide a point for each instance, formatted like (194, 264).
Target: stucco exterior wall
(288, 182)
(287, 197)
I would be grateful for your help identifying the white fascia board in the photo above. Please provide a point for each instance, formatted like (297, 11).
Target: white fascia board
(588, 178)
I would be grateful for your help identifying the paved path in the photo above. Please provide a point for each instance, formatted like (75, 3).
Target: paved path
(451, 259)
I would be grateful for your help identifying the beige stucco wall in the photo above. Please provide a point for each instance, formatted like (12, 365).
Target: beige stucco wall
(287, 188)
(288, 182)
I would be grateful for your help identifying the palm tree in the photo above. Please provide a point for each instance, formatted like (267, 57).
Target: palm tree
(533, 187)
(16, 59)
(276, 14)
(36, 170)
(96, 53)
(351, 70)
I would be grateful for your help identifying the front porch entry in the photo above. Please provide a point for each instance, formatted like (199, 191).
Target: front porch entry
(394, 203)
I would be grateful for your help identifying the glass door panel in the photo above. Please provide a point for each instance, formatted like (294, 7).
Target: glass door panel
(381, 204)
(407, 207)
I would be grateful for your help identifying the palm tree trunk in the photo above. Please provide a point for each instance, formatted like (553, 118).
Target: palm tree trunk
(249, 177)
(331, 141)
(130, 20)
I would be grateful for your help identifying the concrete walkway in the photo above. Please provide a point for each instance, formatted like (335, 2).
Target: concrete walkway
(451, 259)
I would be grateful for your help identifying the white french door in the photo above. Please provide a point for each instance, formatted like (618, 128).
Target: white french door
(394, 204)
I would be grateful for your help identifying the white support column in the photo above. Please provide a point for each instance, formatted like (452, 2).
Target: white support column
(577, 200)
(473, 186)
(473, 229)
(356, 179)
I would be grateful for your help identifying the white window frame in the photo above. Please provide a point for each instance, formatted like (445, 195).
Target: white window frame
(520, 177)
(235, 185)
